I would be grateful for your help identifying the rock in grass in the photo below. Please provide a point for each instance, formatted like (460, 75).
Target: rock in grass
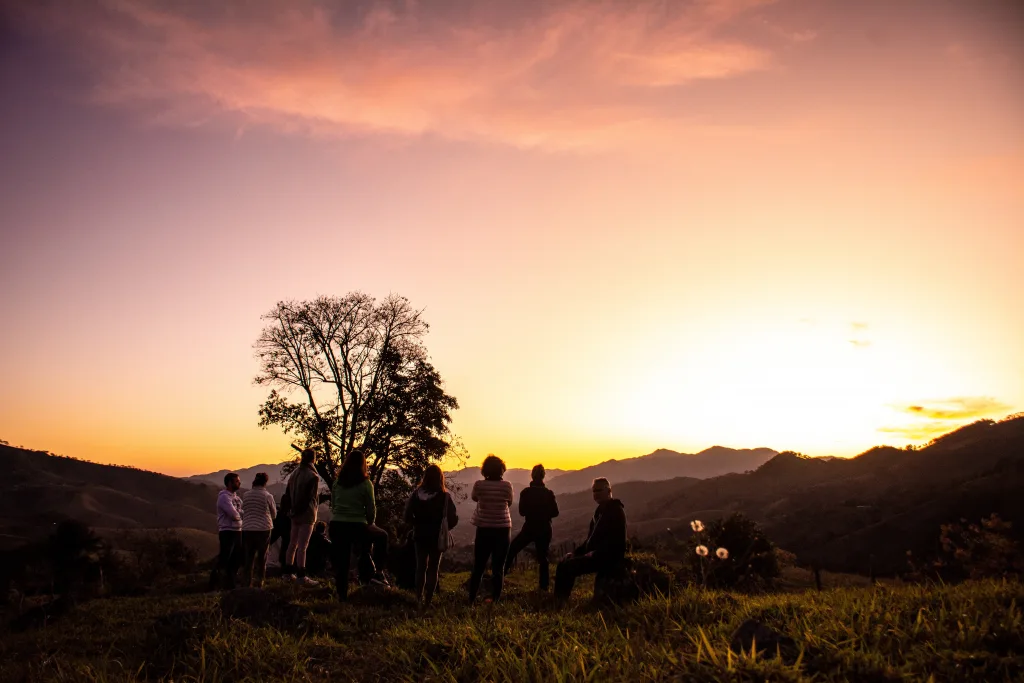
(381, 596)
(263, 607)
(754, 634)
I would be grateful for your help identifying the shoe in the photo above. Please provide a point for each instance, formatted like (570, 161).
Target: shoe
(488, 601)
(306, 581)
(289, 577)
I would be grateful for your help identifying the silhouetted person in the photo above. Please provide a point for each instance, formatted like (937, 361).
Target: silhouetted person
(353, 511)
(429, 506)
(319, 550)
(283, 530)
(258, 513)
(493, 523)
(303, 489)
(537, 505)
(604, 551)
(229, 533)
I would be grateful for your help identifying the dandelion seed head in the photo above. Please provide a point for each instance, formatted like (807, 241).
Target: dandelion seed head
(697, 525)
(702, 550)
(722, 553)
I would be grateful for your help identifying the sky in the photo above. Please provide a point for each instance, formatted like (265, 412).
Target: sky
(630, 225)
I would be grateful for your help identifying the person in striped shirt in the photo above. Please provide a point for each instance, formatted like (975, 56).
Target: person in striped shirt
(493, 523)
(258, 513)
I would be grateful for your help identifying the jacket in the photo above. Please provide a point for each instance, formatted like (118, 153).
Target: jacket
(302, 488)
(353, 504)
(229, 511)
(493, 498)
(258, 509)
(607, 536)
(424, 512)
(537, 504)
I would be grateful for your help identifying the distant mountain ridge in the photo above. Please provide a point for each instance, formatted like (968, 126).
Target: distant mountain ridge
(246, 474)
(665, 464)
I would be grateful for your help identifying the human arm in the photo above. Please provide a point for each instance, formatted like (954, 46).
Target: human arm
(554, 506)
(410, 514)
(271, 506)
(472, 494)
(453, 515)
(226, 506)
(371, 505)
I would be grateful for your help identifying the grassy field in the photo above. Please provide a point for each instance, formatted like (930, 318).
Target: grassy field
(885, 633)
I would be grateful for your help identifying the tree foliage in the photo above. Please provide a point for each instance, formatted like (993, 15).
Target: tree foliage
(347, 371)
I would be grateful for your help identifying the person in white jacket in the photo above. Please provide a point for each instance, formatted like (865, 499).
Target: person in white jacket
(258, 513)
(229, 532)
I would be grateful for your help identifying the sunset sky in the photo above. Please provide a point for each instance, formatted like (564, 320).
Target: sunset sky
(632, 225)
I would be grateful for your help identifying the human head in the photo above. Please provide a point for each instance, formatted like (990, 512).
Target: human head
(433, 479)
(232, 482)
(537, 474)
(307, 456)
(353, 470)
(602, 490)
(260, 479)
(493, 468)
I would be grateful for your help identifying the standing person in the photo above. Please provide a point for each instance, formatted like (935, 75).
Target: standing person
(353, 512)
(283, 530)
(429, 505)
(258, 513)
(493, 523)
(303, 487)
(537, 504)
(229, 533)
(605, 547)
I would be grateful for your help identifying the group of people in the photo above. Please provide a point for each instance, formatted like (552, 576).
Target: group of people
(248, 525)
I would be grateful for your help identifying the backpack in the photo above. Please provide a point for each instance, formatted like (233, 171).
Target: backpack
(445, 540)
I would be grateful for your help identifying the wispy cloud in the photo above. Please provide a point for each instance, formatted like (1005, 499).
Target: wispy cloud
(936, 417)
(560, 73)
(964, 408)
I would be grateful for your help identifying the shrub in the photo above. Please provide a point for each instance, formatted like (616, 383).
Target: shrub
(978, 551)
(143, 559)
(730, 553)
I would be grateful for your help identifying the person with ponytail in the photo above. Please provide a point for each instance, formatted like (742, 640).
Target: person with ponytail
(429, 509)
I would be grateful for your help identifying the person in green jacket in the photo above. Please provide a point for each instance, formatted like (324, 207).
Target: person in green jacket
(353, 512)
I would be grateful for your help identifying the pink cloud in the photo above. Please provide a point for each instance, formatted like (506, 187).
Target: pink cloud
(571, 73)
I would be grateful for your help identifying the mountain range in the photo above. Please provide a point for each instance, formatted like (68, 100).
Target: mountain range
(858, 514)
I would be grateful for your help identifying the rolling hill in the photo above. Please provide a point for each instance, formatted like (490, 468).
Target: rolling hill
(42, 489)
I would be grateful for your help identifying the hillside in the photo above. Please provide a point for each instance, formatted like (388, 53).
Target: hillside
(664, 464)
(864, 513)
(41, 489)
(969, 632)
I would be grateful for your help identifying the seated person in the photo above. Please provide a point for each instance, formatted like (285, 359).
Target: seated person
(605, 548)
(318, 551)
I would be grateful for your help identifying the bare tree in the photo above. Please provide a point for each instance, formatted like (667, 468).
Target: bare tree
(351, 371)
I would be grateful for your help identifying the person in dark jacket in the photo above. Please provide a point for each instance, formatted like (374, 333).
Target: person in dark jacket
(538, 506)
(283, 530)
(605, 547)
(429, 504)
(319, 550)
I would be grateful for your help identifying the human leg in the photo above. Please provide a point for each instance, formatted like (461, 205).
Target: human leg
(519, 543)
(568, 571)
(300, 541)
(433, 566)
(499, 552)
(248, 555)
(343, 536)
(481, 551)
(542, 542)
(422, 551)
(234, 558)
(261, 543)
